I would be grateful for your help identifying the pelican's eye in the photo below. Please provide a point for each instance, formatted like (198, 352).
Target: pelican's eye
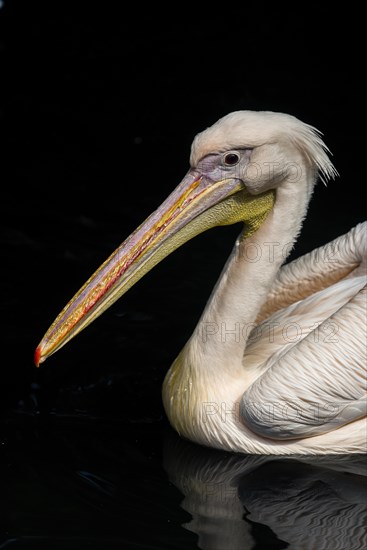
(231, 159)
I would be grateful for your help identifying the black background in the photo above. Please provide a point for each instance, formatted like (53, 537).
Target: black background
(100, 103)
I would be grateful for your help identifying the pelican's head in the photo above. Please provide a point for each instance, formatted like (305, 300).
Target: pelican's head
(236, 166)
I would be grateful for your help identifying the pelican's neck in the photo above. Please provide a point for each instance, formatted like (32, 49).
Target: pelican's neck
(220, 337)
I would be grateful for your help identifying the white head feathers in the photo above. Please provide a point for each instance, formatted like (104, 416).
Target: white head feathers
(251, 129)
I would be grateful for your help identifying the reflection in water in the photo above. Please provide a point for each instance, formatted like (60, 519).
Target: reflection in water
(239, 502)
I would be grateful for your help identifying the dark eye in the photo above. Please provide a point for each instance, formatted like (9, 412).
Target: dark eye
(230, 159)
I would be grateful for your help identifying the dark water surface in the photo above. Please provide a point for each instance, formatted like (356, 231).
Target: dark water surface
(99, 113)
(75, 483)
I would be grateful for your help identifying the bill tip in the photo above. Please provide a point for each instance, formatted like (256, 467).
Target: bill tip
(37, 356)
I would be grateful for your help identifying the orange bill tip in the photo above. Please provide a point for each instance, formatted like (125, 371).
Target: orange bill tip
(37, 356)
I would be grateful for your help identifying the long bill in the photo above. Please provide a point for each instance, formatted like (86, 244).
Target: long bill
(197, 204)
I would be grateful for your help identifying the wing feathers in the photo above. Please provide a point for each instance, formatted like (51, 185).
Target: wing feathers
(318, 385)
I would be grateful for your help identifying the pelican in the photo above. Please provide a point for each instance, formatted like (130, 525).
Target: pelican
(276, 363)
